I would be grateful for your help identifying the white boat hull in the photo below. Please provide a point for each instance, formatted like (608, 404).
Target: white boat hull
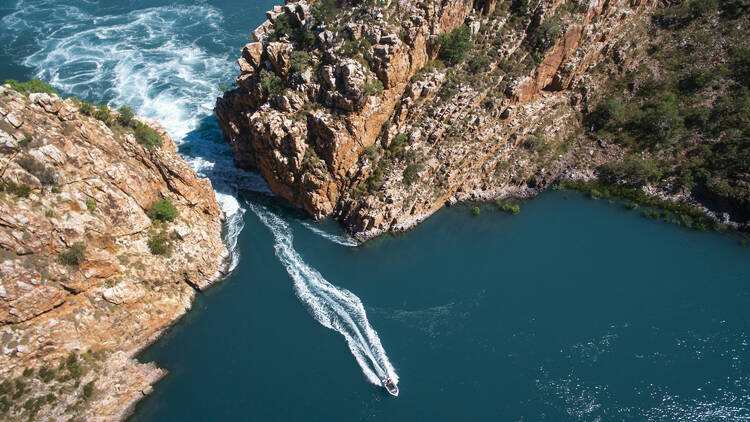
(390, 387)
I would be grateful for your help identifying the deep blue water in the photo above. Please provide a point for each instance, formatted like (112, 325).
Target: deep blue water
(572, 310)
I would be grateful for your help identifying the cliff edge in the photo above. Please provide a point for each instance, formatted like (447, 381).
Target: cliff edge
(379, 115)
(105, 235)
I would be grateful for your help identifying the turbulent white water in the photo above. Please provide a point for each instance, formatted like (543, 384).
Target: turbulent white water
(334, 308)
(340, 240)
(167, 63)
(151, 59)
(164, 62)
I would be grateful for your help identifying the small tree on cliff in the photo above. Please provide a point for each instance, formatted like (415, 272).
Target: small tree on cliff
(453, 46)
(271, 83)
(147, 136)
(73, 255)
(163, 210)
(126, 116)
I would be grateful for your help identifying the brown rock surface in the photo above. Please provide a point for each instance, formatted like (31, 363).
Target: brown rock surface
(333, 152)
(93, 184)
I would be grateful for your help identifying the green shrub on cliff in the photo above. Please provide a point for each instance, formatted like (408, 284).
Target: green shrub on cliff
(658, 121)
(32, 86)
(371, 152)
(375, 181)
(547, 34)
(271, 84)
(607, 112)
(454, 45)
(161, 243)
(158, 244)
(373, 88)
(73, 365)
(163, 210)
(478, 64)
(411, 173)
(325, 10)
(88, 390)
(639, 170)
(300, 60)
(21, 190)
(46, 175)
(86, 108)
(397, 149)
(282, 27)
(147, 136)
(73, 255)
(101, 113)
(46, 374)
(702, 7)
(519, 7)
(126, 116)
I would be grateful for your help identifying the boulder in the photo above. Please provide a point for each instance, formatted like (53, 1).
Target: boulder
(279, 54)
(252, 53)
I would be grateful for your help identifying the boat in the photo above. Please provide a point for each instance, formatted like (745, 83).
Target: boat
(390, 387)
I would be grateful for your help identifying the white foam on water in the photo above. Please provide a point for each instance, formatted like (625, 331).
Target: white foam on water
(234, 224)
(164, 62)
(334, 308)
(340, 240)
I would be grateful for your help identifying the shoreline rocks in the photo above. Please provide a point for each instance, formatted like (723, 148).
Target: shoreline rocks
(89, 276)
(372, 105)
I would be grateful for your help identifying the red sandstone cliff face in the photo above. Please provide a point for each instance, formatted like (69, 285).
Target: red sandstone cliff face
(322, 143)
(270, 133)
(92, 184)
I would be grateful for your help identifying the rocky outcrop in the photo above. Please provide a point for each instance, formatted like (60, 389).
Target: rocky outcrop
(308, 157)
(331, 141)
(71, 325)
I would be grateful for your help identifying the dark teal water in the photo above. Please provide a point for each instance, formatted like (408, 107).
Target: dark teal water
(573, 310)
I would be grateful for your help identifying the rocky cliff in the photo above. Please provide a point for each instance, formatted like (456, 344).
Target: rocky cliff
(104, 238)
(358, 110)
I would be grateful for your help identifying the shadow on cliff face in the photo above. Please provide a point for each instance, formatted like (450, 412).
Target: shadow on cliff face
(210, 156)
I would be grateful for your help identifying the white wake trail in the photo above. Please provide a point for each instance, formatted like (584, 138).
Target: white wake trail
(340, 240)
(166, 62)
(334, 308)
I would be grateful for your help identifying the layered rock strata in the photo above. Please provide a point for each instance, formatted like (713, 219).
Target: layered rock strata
(70, 327)
(327, 137)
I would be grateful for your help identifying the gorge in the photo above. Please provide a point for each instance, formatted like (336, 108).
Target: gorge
(359, 113)
(374, 115)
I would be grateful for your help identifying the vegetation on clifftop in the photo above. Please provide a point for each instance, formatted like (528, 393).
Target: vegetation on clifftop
(454, 45)
(514, 94)
(32, 86)
(62, 389)
(124, 118)
(683, 115)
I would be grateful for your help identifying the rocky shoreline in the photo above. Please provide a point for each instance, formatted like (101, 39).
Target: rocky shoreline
(106, 235)
(356, 111)
(378, 130)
